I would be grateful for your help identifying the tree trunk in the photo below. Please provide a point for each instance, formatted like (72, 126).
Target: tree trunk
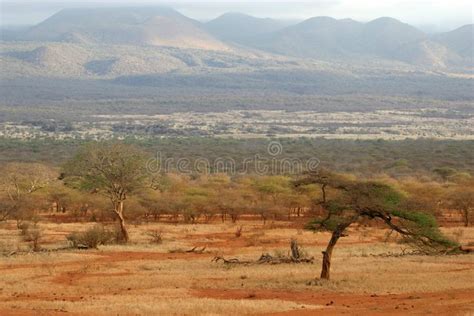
(295, 250)
(466, 218)
(327, 254)
(119, 212)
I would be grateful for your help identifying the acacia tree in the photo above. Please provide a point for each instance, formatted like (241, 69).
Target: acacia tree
(461, 198)
(273, 194)
(347, 201)
(60, 196)
(113, 169)
(234, 202)
(197, 201)
(19, 181)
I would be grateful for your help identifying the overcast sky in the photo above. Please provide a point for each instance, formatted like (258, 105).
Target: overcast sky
(437, 15)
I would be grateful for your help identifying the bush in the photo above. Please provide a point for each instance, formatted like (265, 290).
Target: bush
(6, 248)
(31, 233)
(24, 227)
(92, 237)
(156, 236)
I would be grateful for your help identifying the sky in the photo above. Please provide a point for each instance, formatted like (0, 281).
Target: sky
(431, 16)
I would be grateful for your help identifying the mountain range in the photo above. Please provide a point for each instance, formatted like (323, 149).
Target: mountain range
(124, 41)
(327, 38)
(131, 26)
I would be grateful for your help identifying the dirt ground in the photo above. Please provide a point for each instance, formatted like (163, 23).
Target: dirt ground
(142, 278)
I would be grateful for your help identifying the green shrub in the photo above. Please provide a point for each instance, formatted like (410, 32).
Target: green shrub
(91, 238)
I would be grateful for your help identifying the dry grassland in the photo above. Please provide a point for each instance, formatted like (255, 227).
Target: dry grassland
(147, 279)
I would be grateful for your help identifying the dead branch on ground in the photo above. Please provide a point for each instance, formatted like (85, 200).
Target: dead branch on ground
(196, 250)
(265, 258)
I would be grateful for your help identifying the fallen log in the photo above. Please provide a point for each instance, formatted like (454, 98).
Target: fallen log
(196, 250)
(266, 258)
(229, 261)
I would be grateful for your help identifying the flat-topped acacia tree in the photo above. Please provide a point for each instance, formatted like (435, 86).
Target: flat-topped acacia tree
(346, 201)
(114, 169)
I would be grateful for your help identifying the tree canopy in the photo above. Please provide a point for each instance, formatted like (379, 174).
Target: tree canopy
(116, 170)
(346, 201)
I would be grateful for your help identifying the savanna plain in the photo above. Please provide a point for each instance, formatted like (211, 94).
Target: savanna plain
(372, 273)
(314, 167)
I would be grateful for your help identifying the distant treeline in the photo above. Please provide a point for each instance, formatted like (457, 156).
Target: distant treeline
(39, 98)
(407, 158)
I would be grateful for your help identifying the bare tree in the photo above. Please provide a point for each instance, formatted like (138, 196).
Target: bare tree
(19, 179)
(18, 182)
(7, 208)
(461, 198)
(115, 170)
(346, 201)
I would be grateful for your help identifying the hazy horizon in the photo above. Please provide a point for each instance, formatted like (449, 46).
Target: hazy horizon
(430, 16)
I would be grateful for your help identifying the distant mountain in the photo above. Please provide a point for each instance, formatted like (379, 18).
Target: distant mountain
(239, 28)
(384, 40)
(460, 40)
(319, 37)
(428, 53)
(384, 35)
(125, 26)
(325, 37)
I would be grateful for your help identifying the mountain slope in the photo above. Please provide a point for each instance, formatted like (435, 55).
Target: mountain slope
(325, 37)
(239, 28)
(384, 35)
(383, 38)
(126, 26)
(319, 37)
(460, 40)
(428, 53)
(61, 59)
(54, 59)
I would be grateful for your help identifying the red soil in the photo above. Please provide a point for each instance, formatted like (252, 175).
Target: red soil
(454, 302)
(117, 256)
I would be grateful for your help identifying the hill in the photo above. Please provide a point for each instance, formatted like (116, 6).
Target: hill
(428, 53)
(326, 37)
(60, 59)
(319, 37)
(126, 26)
(240, 28)
(384, 38)
(461, 41)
